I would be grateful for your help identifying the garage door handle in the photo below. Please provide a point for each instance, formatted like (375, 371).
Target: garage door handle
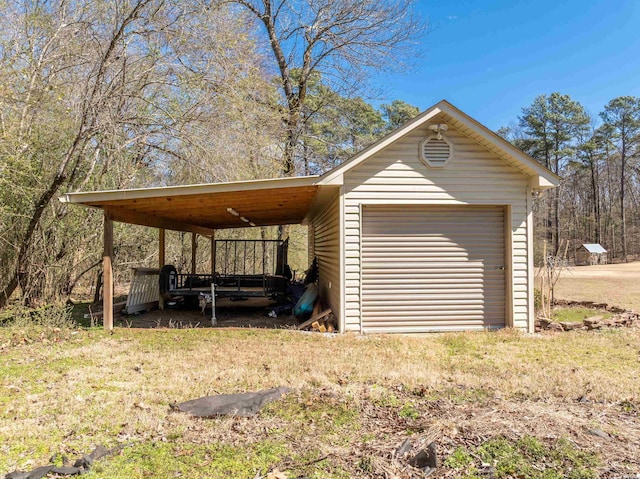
(501, 268)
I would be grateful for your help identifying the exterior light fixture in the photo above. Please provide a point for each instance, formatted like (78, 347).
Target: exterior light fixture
(246, 220)
(251, 223)
(439, 129)
(233, 212)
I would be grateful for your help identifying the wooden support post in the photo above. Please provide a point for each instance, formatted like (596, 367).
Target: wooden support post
(161, 260)
(161, 248)
(194, 246)
(107, 265)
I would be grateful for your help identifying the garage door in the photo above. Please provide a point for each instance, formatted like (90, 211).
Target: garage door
(432, 268)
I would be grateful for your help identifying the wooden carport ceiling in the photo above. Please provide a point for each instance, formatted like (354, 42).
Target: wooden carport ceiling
(262, 207)
(204, 208)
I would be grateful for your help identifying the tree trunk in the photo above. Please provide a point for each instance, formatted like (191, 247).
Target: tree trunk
(596, 202)
(556, 206)
(610, 196)
(623, 226)
(556, 221)
(288, 159)
(96, 294)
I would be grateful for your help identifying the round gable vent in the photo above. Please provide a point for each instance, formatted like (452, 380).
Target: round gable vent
(436, 151)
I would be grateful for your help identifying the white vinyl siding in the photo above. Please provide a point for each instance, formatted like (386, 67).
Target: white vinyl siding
(473, 176)
(326, 247)
(432, 268)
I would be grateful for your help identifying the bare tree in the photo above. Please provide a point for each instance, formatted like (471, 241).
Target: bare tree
(42, 53)
(622, 116)
(79, 72)
(109, 94)
(589, 156)
(229, 99)
(338, 40)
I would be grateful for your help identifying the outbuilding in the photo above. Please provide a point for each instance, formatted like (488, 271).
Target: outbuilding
(428, 229)
(589, 254)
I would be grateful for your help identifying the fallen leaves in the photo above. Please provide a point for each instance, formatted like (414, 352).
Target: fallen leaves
(276, 474)
(141, 405)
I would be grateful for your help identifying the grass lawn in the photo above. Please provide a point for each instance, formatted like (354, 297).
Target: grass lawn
(524, 405)
(614, 284)
(577, 314)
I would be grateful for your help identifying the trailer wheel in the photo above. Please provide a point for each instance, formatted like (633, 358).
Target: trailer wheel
(168, 279)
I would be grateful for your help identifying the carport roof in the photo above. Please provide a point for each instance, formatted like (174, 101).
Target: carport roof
(204, 208)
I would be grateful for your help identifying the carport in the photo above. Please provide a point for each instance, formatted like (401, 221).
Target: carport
(200, 210)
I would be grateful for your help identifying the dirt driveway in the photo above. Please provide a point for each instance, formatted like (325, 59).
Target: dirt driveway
(230, 314)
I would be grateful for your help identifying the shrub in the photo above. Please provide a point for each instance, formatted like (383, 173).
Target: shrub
(537, 299)
(49, 316)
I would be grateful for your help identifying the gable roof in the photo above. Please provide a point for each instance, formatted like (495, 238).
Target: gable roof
(540, 177)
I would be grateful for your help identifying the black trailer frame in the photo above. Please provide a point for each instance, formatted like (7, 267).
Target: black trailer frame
(242, 268)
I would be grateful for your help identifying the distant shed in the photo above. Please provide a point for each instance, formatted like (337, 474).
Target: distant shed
(590, 254)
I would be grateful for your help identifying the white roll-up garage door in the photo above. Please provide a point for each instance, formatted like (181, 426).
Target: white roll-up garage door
(428, 268)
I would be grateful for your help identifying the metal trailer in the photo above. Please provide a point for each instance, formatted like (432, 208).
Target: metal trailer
(242, 269)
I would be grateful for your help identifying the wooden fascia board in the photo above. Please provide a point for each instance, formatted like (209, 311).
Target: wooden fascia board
(132, 217)
(183, 190)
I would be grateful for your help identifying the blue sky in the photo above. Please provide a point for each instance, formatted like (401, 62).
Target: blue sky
(490, 58)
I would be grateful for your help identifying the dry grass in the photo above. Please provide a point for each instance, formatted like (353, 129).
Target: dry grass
(355, 398)
(615, 284)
